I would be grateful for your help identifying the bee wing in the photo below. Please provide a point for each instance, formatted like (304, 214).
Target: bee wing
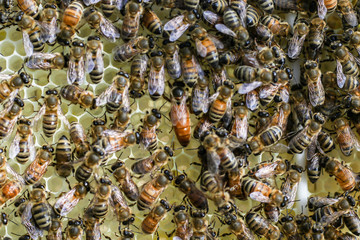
(40, 60)
(99, 59)
(76, 73)
(90, 2)
(252, 100)
(156, 82)
(357, 60)
(211, 17)
(109, 30)
(242, 125)
(49, 30)
(14, 174)
(178, 32)
(213, 97)
(258, 196)
(117, 197)
(36, 121)
(351, 19)
(174, 23)
(31, 146)
(26, 217)
(279, 148)
(62, 117)
(213, 161)
(284, 94)
(104, 96)
(268, 90)
(67, 202)
(200, 48)
(89, 62)
(4, 76)
(340, 76)
(216, 41)
(322, 10)
(120, 4)
(354, 139)
(292, 195)
(28, 47)
(126, 99)
(295, 45)
(316, 92)
(201, 73)
(327, 219)
(202, 97)
(245, 88)
(15, 146)
(242, 12)
(225, 30)
(267, 171)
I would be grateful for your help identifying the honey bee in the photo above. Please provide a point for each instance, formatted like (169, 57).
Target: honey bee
(316, 202)
(92, 160)
(274, 23)
(330, 213)
(183, 229)
(261, 226)
(78, 95)
(34, 172)
(346, 11)
(131, 21)
(313, 165)
(148, 136)
(132, 48)
(29, 7)
(156, 82)
(261, 192)
(221, 103)
(6, 4)
(343, 175)
(48, 17)
(151, 21)
(11, 183)
(269, 169)
(22, 147)
(55, 231)
(9, 116)
(199, 96)
(240, 124)
(122, 211)
(178, 25)
(76, 69)
(315, 87)
(333, 233)
(113, 140)
(117, 94)
(99, 205)
(63, 156)
(151, 190)
(122, 119)
(316, 37)
(71, 19)
(172, 59)
(296, 43)
(150, 224)
(67, 202)
(74, 230)
(305, 137)
(345, 137)
(127, 234)
(97, 21)
(352, 221)
(346, 64)
(202, 127)
(180, 115)
(36, 216)
(92, 225)
(290, 185)
(301, 108)
(78, 137)
(94, 59)
(31, 33)
(190, 67)
(97, 127)
(124, 178)
(50, 111)
(240, 230)
(137, 75)
(205, 46)
(45, 61)
(195, 196)
(289, 227)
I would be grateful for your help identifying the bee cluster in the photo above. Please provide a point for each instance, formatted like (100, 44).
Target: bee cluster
(233, 80)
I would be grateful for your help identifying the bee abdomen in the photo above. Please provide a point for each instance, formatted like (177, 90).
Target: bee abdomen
(49, 124)
(41, 215)
(83, 173)
(24, 152)
(100, 210)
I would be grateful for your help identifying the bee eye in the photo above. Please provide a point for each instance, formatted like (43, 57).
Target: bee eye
(48, 92)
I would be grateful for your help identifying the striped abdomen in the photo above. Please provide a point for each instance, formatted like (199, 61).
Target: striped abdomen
(108, 7)
(50, 121)
(24, 151)
(36, 40)
(41, 215)
(217, 110)
(83, 173)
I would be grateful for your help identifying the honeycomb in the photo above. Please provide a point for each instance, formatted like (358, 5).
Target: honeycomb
(11, 60)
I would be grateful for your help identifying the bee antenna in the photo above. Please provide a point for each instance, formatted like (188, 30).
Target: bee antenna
(44, 139)
(90, 114)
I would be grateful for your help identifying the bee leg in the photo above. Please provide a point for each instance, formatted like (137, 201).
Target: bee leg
(107, 237)
(48, 76)
(170, 234)
(67, 181)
